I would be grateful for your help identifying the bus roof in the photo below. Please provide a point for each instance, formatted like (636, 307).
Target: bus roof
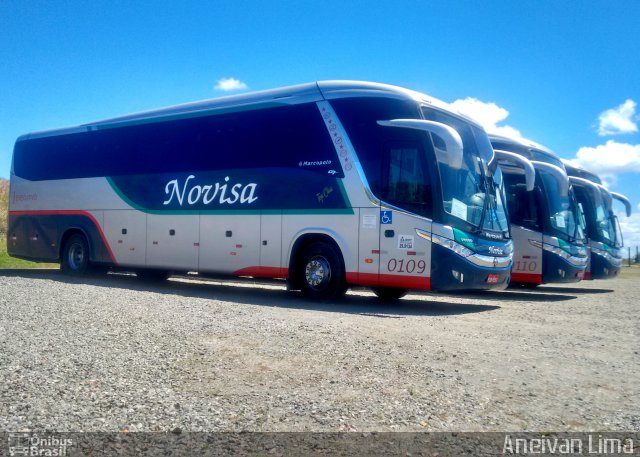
(309, 92)
(528, 144)
(576, 170)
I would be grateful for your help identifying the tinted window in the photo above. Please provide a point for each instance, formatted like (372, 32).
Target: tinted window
(523, 206)
(529, 153)
(394, 159)
(360, 118)
(288, 137)
(405, 177)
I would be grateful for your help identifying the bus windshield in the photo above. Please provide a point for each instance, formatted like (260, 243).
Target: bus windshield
(619, 242)
(562, 209)
(605, 226)
(470, 192)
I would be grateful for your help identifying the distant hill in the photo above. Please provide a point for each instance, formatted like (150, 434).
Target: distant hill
(4, 205)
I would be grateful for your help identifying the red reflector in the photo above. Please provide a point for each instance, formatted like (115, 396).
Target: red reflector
(493, 279)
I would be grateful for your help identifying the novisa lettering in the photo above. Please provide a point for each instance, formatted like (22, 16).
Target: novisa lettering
(224, 193)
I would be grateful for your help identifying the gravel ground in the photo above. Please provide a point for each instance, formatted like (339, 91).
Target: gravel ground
(111, 353)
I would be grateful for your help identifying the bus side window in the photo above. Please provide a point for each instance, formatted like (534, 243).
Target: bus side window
(522, 205)
(405, 178)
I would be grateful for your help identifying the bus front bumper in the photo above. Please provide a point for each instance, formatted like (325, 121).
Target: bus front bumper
(559, 270)
(604, 266)
(450, 271)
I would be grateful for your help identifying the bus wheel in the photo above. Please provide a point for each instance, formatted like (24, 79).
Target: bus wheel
(389, 293)
(153, 275)
(75, 255)
(322, 273)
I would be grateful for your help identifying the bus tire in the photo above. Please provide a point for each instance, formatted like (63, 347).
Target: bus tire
(153, 275)
(75, 255)
(389, 293)
(322, 273)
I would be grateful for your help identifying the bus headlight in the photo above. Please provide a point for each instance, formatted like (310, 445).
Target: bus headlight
(611, 259)
(578, 261)
(452, 245)
(556, 250)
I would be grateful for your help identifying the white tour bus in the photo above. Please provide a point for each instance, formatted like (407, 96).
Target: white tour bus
(601, 224)
(327, 184)
(544, 216)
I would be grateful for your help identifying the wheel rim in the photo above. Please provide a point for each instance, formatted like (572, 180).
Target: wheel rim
(317, 272)
(76, 256)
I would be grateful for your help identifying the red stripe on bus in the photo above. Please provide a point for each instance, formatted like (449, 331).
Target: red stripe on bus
(70, 213)
(526, 277)
(262, 272)
(384, 280)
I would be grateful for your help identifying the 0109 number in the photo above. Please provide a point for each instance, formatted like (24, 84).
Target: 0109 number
(406, 266)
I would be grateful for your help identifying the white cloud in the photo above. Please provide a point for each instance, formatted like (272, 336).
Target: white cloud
(229, 84)
(616, 121)
(610, 158)
(608, 180)
(630, 227)
(488, 115)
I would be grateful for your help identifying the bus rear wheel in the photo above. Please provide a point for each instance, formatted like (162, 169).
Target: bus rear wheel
(322, 273)
(389, 293)
(75, 255)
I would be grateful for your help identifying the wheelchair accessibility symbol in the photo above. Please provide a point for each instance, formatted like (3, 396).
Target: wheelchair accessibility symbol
(386, 217)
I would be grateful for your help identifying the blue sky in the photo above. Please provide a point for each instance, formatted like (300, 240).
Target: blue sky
(549, 70)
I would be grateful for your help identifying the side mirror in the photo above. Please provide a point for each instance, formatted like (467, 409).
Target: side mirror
(557, 172)
(625, 201)
(594, 188)
(523, 162)
(451, 140)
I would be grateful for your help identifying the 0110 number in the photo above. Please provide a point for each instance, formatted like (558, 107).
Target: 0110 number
(523, 265)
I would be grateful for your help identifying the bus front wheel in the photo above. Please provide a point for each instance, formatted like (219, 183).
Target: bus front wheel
(322, 273)
(75, 255)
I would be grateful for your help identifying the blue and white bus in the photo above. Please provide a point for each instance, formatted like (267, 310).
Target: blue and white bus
(545, 221)
(327, 185)
(601, 224)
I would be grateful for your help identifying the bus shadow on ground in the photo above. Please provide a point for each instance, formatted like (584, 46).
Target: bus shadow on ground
(516, 295)
(572, 290)
(268, 293)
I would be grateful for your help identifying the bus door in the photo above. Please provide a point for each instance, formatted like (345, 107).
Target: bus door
(405, 257)
(527, 255)
(525, 214)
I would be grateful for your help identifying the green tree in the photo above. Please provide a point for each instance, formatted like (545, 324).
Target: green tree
(4, 205)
